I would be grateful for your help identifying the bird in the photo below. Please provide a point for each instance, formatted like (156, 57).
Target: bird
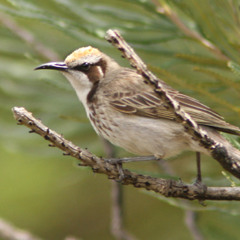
(125, 110)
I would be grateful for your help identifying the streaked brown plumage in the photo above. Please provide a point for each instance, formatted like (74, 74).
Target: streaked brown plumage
(141, 100)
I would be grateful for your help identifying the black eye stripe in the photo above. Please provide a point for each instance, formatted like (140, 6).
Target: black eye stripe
(83, 67)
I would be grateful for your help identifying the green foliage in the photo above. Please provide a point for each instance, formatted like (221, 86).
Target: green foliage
(200, 59)
(234, 67)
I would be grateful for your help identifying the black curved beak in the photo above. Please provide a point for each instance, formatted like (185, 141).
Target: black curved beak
(60, 66)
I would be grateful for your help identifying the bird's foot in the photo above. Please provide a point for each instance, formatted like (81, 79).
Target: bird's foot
(200, 185)
(119, 161)
(201, 189)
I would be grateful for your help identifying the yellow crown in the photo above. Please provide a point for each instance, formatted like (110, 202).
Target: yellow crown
(81, 53)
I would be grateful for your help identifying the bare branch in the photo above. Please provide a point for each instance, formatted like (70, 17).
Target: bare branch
(166, 10)
(190, 215)
(28, 37)
(117, 225)
(71, 238)
(166, 187)
(190, 220)
(229, 160)
(8, 231)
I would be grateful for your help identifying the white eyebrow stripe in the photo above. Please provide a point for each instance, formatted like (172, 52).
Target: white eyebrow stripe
(100, 71)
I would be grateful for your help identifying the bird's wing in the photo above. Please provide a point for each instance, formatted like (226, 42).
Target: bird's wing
(148, 104)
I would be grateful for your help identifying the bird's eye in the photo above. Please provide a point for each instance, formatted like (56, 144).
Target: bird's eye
(83, 67)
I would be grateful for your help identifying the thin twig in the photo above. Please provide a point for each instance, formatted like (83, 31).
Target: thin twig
(166, 10)
(230, 160)
(117, 210)
(28, 37)
(8, 231)
(190, 215)
(117, 224)
(190, 220)
(71, 238)
(166, 187)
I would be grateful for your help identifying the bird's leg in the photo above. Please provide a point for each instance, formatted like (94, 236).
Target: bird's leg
(120, 171)
(202, 187)
(199, 174)
(120, 161)
(131, 159)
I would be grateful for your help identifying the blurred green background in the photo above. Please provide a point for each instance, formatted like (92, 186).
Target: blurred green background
(48, 194)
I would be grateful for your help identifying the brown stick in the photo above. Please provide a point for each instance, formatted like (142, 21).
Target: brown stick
(117, 224)
(166, 187)
(10, 232)
(166, 10)
(28, 37)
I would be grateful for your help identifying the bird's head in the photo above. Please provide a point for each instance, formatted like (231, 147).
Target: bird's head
(84, 68)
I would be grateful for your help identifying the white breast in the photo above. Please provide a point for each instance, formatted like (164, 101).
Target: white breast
(141, 135)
